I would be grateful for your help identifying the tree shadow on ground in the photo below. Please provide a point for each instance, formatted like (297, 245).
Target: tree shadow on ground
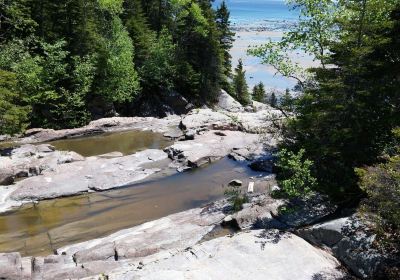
(272, 236)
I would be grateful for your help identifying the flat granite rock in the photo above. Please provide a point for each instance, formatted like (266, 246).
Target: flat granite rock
(31, 160)
(249, 255)
(211, 146)
(173, 248)
(175, 231)
(93, 173)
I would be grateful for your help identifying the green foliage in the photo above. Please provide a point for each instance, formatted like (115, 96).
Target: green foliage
(72, 56)
(344, 118)
(294, 176)
(240, 84)
(41, 80)
(381, 183)
(16, 21)
(112, 6)
(287, 101)
(159, 69)
(236, 197)
(226, 36)
(259, 92)
(13, 115)
(273, 101)
(117, 78)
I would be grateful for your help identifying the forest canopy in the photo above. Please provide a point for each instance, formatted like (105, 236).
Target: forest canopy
(63, 63)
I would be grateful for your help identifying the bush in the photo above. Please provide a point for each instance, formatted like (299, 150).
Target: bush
(236, 197)
(13, 115)
(381, 184)
(294, 173)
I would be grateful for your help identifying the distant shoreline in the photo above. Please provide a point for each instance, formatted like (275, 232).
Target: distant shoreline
(265, 25)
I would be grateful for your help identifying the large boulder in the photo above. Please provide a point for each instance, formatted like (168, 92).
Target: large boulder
(228, 103)
(258, 106)
(351, 241)
(204, 119)
(306, 211)
(6, 176)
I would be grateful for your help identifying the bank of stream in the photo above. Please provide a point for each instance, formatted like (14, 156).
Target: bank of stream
(38, 229)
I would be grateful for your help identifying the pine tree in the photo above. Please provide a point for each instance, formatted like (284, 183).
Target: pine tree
(273, 101)
(259, 92)
(286, 101)
(240, 84)
(13, 114)
(139, 30)
(117, 78)
(345, 119)
(226, 36)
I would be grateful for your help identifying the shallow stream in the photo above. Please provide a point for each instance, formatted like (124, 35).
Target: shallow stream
(127, 142)
(38, 229)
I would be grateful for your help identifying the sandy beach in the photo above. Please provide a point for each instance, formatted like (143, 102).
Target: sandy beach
(257, 72)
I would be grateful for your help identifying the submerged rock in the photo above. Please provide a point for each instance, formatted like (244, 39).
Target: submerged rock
(264, 164)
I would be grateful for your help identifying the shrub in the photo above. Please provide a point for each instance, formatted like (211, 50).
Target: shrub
(236, 197)
(294, 173)
(381, 184)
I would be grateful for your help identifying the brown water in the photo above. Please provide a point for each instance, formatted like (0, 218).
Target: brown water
(127, 142)
(39, 229)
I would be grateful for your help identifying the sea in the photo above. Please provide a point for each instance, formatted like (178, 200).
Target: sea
(255, 22)
(256, 13)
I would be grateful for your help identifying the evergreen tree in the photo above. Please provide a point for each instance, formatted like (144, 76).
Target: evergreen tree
(287, 101)
(240, 84)
(72, 56)
(226, 36)
(273, 101)
(117, 78)
(139, 30)
(344, 120)
(13, 114)
(259, 92)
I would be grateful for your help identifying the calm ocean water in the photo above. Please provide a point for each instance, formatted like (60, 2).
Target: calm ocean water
(255, 22)
(258, 12)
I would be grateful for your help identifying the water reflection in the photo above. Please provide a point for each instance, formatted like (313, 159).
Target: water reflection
(127, 142)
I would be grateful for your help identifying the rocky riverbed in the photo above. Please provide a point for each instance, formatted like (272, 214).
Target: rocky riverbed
(202, 136)
(305, 244)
